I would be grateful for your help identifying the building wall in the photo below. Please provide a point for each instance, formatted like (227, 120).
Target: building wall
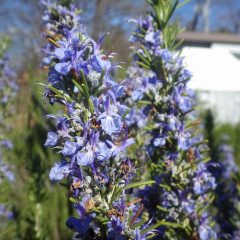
(224, 105)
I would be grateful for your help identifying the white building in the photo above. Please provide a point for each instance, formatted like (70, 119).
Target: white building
(214, 60)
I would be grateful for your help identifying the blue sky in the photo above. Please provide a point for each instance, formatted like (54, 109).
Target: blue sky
(218, 12)
(18, 18)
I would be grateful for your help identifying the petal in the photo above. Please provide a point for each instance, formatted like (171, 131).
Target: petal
(52, 140)
(108, 124)
(86, 158)
(63, 68)
(69, 148)
(59, 53)
(53, 76)
(59, 171)
(79, 225)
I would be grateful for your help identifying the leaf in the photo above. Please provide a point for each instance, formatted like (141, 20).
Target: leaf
(60, 93)
(186, 222)
(73, 200)
(85, 90)
(91, 106)
(143, 102)
(84, 80)
(125, 114)
(78, 86)
(139, 184)
(183, 3)
(143, 65)
(162, 208)
(167, 187)
(171, 11)
(143, 58)
(115, 194)
(139, 224)
(161, 223)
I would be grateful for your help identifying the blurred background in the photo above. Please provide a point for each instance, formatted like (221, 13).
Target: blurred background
(211, 45)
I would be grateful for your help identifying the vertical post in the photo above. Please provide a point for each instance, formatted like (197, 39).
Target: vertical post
(206, 12)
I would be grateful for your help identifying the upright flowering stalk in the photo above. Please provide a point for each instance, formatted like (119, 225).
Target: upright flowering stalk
(227, 193)
(8, 91)
(160, 118)
(91, 134)
(226, 173)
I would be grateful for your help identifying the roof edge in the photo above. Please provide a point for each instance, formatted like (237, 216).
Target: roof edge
(201, 37)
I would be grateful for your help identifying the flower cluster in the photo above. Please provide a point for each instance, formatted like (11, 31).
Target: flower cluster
(8, 92)
(5, 213)
(174, 151)
(92, 130)
(91, 134)
(8, 88)
(154, 106)
(6, 172)
(227, 193)
(57, 19)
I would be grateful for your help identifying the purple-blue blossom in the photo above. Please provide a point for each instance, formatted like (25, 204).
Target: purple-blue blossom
(59, 171)
(91, 133)
(52, 140)
(205, 231)
(5, 213)
(203, 181)
(157, 92)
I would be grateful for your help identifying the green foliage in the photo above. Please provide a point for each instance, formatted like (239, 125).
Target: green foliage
(5, 44)
(66, 2)
(213, 141)
(233, 131)
(175, 175)
(40, 209)
(163, 12)
(215, 131)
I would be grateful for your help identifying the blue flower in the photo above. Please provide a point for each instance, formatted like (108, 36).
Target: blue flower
(89, 153)
(158, 142)
(115, 225)
(52, 140)
(69, 148)
(59, 171)
(146, 34)
(186, 74)
(95, 65)
(184, 142)
(53, 76)
(183, 98)
(86, 156)
(173, 123)
(206, 232)
(6, 172)
(189, 206)
(137, 95)
(80, 226)
(204, 181)
(104, 151)
(185, 104)
(153, 37)
(116, 149)
(62, 53)
(92, 129)
(5, 213)
(184, 139)
(110, 121)
(63, 68)
(166, 55)
(7, 144)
